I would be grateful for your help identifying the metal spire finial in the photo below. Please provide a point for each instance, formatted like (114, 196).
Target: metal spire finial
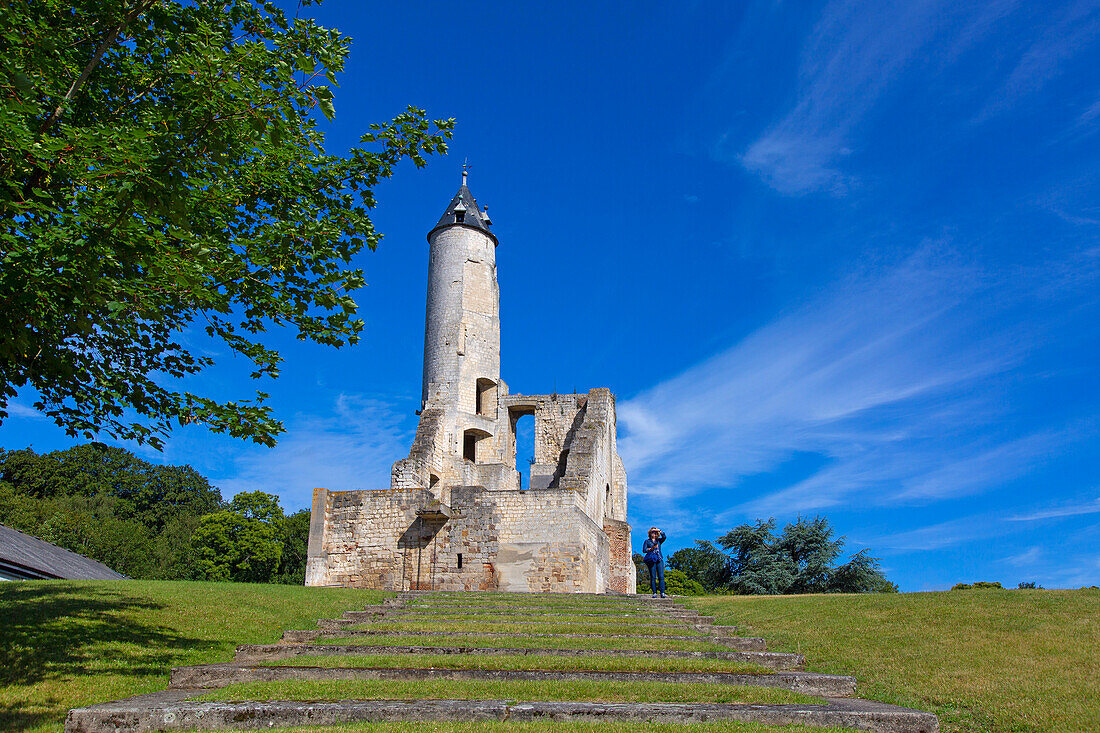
(465, 170)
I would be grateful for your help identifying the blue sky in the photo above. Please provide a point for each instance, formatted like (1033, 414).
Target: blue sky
(833, 258)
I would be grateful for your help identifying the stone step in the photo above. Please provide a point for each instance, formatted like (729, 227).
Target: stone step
(170, 710)
(405, 613)
(746, 643)
(254, 653)
(494, 597)
(335, 623)
(548, 608)
(219, 675)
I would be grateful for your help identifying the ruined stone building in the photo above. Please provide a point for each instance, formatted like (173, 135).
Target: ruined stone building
(455, 516)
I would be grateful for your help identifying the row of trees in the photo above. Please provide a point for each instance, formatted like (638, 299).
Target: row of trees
(752, 560)
(149, 521)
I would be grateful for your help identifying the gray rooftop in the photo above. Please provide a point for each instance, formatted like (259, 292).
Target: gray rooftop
(473, 216)
(23, 556)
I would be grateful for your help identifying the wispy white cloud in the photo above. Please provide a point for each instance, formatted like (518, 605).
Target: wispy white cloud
(860, 55)
(1063, 510)
(16, 409)
(938, 536)
(351, 446)
(879, 378)
(1030, 556)
(1070, 31)
(852, 56)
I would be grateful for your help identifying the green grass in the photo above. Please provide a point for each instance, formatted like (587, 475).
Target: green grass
(506, 690)
(527, 661)
(575, 726)
(533, 627)
(533, 642)
(990, 661)
(66, 644)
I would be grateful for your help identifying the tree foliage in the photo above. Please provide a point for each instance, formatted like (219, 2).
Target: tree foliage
(163, 172)
(230, 545)
(149, 521)
(704, 563)
(750, 559)
(677, 583)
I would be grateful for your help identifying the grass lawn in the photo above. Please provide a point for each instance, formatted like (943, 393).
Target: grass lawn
(532, 661)
(507, 690)
(997, 660)
(518, 642)
(65, 644)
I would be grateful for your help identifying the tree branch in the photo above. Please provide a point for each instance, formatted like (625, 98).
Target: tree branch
(92, 63)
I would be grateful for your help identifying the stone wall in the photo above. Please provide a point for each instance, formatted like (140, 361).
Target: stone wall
(530, 541)
(371, 539)
(623, 577)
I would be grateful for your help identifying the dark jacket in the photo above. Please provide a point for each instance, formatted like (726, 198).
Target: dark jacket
(649, 544)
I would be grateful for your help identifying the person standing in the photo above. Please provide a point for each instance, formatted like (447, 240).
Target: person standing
(655, 560)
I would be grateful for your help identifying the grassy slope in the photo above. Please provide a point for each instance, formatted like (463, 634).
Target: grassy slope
(67, 644)
(982, 660)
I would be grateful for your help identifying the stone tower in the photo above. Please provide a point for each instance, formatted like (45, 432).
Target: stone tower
(462, 320)
(456, 516)
(462, 335)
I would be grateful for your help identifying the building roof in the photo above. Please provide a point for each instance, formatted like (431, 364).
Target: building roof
(23, 556)
(473, 215)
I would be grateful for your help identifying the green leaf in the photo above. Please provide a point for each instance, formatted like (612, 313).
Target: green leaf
(22, 82)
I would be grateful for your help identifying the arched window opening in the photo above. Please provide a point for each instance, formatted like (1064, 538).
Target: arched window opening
(470, 440)
(523, 430)
(485, 399)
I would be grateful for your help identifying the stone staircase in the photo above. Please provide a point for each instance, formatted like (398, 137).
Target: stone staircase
(462, 630)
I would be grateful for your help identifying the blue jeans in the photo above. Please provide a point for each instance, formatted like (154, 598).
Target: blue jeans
(656, 573)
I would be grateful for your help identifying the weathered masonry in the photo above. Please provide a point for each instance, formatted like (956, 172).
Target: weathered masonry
(455, 516)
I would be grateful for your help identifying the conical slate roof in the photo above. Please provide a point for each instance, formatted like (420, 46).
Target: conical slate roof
(473, 216)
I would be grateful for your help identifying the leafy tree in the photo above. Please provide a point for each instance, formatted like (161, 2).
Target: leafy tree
(248, 542)
(810, 545)
(979, 585)
(257, 505)
(704, 564)
(109, 505)
(800, 560)
(859, 575)
(175, 554)
(147, 493)
(1028, 585)
(295, 540)
(677, 582)
(757, 567)
(230, 546)
(162, 171)
(91, 526)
